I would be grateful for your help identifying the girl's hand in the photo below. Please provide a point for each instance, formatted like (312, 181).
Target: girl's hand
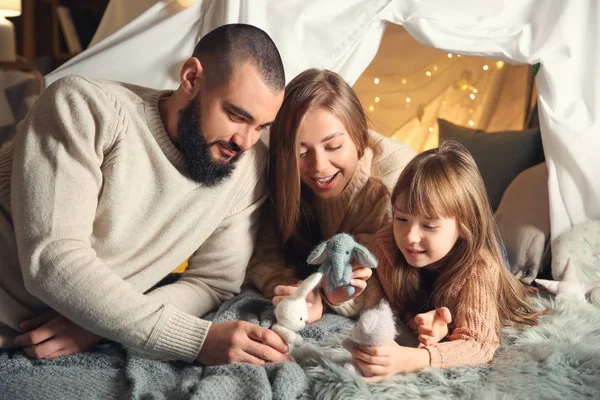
(381, 362)
(360, 275)
(432, 326)
(313, 300)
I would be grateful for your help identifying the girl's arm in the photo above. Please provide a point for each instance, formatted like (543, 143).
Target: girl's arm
(474, 339)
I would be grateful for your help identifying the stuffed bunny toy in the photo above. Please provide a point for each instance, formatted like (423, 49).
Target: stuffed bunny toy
(292, 311)
(375, 327)
(571, 288)
(335, 255)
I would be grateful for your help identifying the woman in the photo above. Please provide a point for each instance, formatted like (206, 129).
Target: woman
(328, 174)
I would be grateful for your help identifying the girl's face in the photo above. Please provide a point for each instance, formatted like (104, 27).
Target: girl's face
(328, 156)
(424, 241)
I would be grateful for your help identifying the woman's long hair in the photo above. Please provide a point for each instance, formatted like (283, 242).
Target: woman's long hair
(446, 183)
(312, 89)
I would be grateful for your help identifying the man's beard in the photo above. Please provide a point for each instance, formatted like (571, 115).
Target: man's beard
(201, 165)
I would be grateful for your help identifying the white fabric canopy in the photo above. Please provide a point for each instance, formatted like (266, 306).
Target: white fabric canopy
(344, 35)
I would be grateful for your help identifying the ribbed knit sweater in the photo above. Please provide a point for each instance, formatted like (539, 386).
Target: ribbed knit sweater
(95, 197)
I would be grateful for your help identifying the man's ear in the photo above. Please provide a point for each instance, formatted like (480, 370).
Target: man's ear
(191, 76)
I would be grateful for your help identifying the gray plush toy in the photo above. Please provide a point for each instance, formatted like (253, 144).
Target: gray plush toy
(335, 255)
(375, 327)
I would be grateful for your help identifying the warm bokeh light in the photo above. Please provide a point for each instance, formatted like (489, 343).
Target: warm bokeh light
(186, 3)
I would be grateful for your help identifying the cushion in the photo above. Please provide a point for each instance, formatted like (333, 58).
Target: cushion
(581, 245)
(500, 156)
(523, 218)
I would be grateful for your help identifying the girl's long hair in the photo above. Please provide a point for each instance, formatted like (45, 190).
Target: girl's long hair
(312, 89)
(445, 183)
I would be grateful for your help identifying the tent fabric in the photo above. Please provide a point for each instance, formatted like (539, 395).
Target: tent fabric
(344, 36)
(561, 36)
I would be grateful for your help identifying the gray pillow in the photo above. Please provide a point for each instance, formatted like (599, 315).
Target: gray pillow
(500, 156)
(523, 218)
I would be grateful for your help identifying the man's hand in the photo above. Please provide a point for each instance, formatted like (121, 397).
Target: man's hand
(241, 341)
(381, 362)
(432, 326)
(50, 335)
(360, 275)
(314, 301)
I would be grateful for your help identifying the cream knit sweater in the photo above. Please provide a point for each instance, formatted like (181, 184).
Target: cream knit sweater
(360, 210)
(95, 198)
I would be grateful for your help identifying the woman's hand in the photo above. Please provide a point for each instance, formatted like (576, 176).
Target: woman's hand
(313, 300)
(381, 362)
(360, 275)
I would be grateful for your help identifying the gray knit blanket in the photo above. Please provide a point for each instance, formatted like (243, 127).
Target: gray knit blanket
(110, 372)
(558, 359)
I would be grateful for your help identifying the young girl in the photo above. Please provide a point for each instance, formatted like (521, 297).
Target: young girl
(441, 251)
(328, 174)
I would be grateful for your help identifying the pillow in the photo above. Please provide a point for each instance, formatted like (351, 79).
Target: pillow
(500, 156)
(581, 245)
(523, 218)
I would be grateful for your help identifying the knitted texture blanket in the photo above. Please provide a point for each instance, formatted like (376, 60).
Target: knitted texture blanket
(110, 372)
(558, 359)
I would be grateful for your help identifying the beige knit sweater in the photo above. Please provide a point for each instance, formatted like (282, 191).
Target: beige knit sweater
(361, 210)
(95, 198)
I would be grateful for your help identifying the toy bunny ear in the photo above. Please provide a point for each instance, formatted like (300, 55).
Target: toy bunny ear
(318, 255)
(551, 286)
(308, 285)
(364, 256)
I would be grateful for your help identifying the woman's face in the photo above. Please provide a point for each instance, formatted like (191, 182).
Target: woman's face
(328, 156)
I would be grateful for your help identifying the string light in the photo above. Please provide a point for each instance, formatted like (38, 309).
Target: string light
(466, 82)
(186, 3)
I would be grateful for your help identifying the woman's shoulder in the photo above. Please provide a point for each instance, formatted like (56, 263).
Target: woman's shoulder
(383, 245)
(390, 156)
(375, 191)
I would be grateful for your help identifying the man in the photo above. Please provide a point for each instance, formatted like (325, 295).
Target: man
(107, 187)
